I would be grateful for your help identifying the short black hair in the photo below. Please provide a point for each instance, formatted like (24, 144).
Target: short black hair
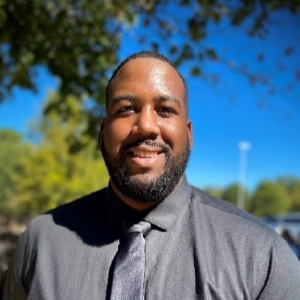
(146, 54)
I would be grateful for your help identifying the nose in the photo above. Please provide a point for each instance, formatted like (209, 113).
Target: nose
(147, 122)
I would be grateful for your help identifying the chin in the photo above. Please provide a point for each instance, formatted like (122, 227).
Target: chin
(145, 177)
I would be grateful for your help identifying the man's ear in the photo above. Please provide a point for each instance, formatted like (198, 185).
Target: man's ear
(190, 133)
(100, 135)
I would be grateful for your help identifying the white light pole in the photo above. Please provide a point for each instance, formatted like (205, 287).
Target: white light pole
(243, 147)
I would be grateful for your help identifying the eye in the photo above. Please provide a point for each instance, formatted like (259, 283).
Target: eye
(166, 111)
(124, 110)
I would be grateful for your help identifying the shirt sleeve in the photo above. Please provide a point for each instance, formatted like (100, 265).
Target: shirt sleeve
(283, 280)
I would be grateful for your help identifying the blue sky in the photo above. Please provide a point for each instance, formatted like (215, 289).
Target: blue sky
(222, 114)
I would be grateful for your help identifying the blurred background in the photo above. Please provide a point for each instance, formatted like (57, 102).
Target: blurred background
(241, 61)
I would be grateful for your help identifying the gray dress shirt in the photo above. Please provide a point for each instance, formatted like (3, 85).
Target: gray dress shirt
(199, 247)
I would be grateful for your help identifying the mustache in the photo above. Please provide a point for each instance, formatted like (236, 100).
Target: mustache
(163, 146)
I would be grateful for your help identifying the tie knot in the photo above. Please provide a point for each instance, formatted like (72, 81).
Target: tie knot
(143, 227)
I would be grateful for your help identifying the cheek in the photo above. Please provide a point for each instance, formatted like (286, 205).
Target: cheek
(114, 134)
(175, 133)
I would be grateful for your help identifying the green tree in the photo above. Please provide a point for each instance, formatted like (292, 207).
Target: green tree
(214, 191)
(52, 174)
(12, 150)
(231, 192)
(292, 187)
(294, 194)
(78, 41)
(269, 198)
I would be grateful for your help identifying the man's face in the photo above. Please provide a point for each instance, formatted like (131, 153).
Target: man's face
(146, 137)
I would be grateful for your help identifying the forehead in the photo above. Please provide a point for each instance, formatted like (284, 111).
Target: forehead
(149, 72)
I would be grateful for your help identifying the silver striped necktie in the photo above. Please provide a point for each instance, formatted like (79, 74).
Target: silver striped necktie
(129, 271)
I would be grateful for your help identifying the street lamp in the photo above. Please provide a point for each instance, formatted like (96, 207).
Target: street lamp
(243, 147)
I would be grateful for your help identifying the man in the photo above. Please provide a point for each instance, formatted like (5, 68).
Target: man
(198, 247)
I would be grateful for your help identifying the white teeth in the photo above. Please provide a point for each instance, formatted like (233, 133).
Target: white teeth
(144, 154)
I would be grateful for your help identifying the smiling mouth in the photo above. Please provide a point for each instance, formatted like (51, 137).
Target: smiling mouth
(144, 154)
(143, 158)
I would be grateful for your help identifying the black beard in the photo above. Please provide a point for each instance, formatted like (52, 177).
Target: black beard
(147, 191)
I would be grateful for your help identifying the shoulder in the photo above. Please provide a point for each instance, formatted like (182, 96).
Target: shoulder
(81, 205)
(68, 217)
(230, 224)
(243, 238)
(218, 205)
(228, 217)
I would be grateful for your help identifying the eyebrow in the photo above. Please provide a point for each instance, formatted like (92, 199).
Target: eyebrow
(131, 98)
(166, 98)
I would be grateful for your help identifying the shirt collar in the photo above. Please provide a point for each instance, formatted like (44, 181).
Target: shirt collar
(162, 215)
